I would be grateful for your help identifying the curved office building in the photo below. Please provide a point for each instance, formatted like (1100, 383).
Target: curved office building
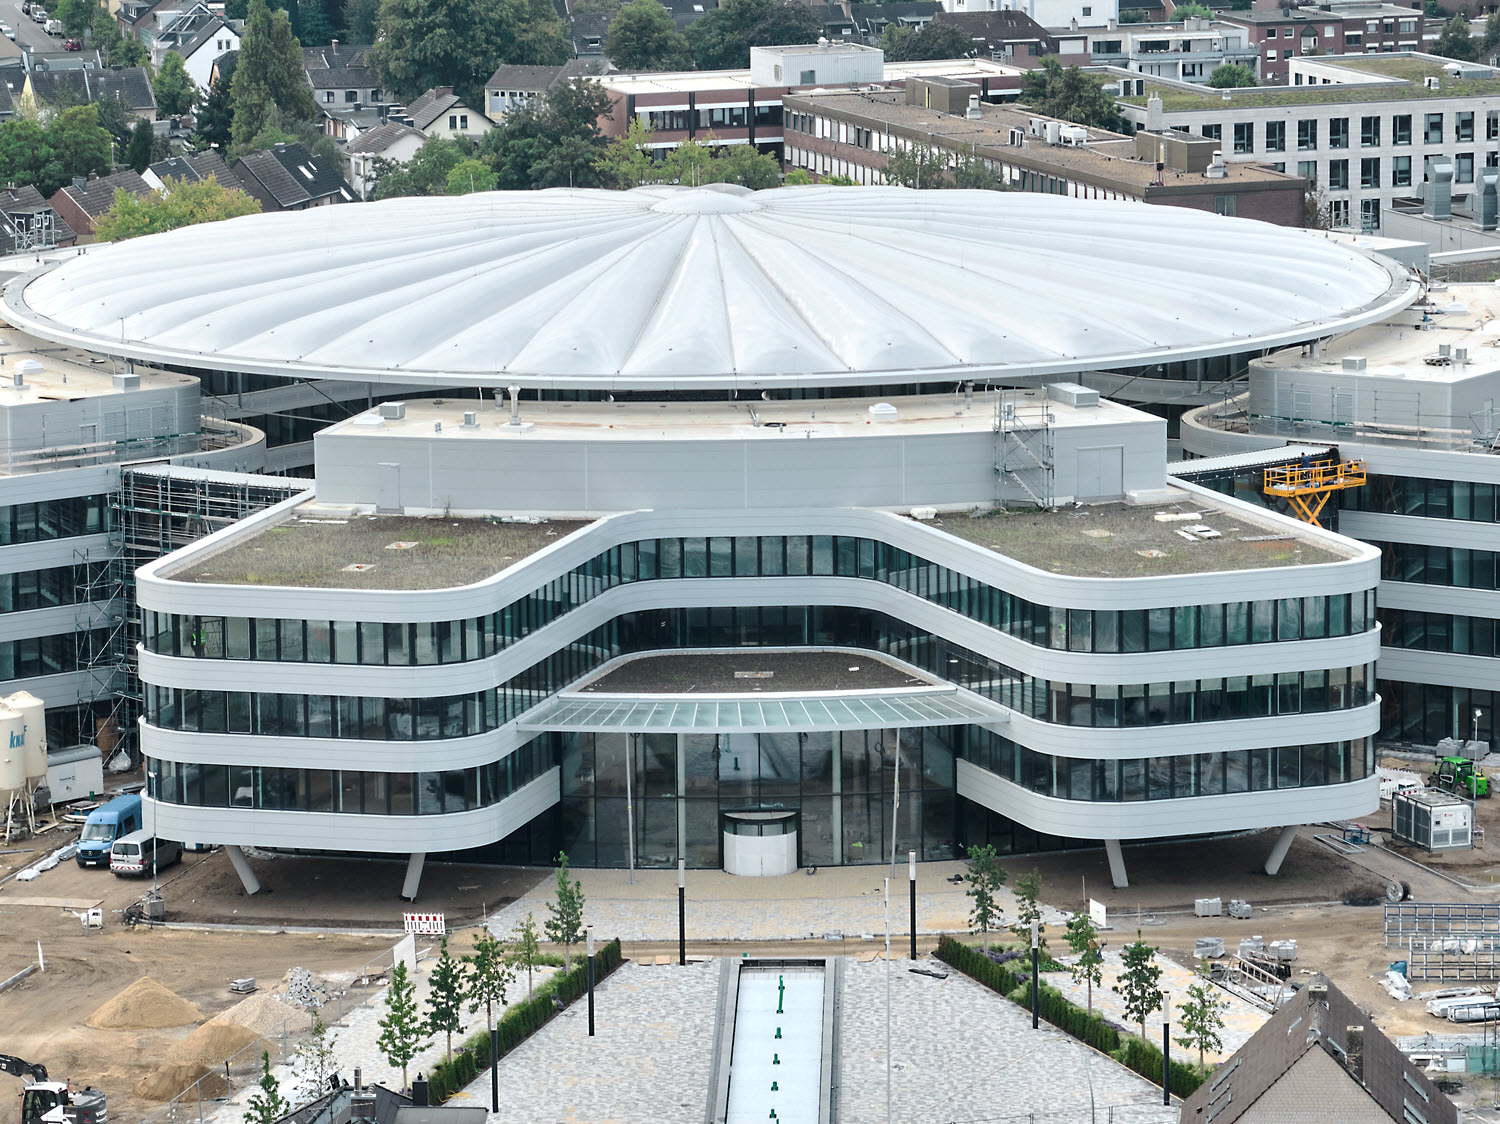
(665, 613)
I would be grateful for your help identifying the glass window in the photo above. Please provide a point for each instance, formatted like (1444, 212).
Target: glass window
(1401, 129)
(1275, 136)
(1307, 135)
(1369, 132)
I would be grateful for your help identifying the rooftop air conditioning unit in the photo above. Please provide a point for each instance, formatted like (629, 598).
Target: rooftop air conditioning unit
(394, 411)
(1054, 132)
(1036, 127)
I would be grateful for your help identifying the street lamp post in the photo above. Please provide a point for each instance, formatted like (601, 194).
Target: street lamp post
(1036, 1018)
(1166, 1050)
(911, 867)
(591, 979)
(681, 912)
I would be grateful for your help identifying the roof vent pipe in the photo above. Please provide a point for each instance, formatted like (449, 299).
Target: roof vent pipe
(974, 114)
(471, 419)
(1460, 356)
(515, 404)
(17, 379)
(1156, 121)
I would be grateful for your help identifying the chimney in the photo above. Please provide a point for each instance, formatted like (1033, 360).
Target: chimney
(335, 47)
(1216, 167)
(515, 405)
(1156, 121)
(419, 1092)
(974, 114)
(1356, 1059)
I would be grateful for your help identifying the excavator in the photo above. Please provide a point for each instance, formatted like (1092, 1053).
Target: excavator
(53, 1102)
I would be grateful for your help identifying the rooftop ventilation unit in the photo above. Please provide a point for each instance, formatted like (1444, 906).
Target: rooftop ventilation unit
(1354, 363)
(471, 419)
(29, 367)
(127, 380)
(1072, 394)
(393, 411)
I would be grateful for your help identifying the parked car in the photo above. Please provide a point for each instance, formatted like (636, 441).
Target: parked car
(140, 853)
(38, 15)
(72, 45)
(8, 31)
(26, 8)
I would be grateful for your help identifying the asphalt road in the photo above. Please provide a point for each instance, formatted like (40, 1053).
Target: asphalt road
(28, 34)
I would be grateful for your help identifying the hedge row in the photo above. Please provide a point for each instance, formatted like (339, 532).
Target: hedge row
(1131, 1052)
(520, 1021)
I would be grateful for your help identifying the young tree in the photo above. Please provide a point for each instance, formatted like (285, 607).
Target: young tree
(643, 37)
(1028, 892)
(268, 73)
(138, 151)
(983, 879)
(175, 90)
(216, 115)
(402, 1030)
(934, 40)
(1191, 11)
(919, 166)
(565, 926)
(1491, 39)
(79, 144)
(1456, 42)
(75, 15)
(315, 1062)
(445, 998)
(1232, 76)
(721, 39)
(1140, 976)
(267, 1105)
(527, 948)
(488, 975)
(1201, 1017)
(973, 174)
(179, 204)
(1083, 939)
(468, 176)
(426, 173)
(1069, 94)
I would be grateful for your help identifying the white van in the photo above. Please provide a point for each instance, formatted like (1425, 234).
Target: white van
(136, 852)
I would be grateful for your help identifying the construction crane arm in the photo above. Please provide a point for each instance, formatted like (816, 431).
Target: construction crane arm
(18, 1068)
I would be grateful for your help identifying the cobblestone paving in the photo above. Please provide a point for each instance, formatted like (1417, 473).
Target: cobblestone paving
(848, 900)
(961, 1054)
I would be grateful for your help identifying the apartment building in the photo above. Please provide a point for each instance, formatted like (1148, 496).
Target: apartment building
(1279, 35)
(1189, 51)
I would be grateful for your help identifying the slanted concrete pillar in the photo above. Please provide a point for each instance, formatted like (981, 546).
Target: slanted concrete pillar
(1283, 844)
(1116, 864)
(242, 868)
(413, 875)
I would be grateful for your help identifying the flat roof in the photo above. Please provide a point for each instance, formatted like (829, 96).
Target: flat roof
(1122, 540)
(751, 671)
(717, 421)
(67, 373)
(1107, 155)
(1393, 77)
(327, 546)
(698, 81)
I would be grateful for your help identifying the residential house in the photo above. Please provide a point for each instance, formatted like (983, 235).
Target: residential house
(1283, 33)
(587, 32)
(1319, 1057)
(84, 200)
(200, 37)
(340, 76)
(289, 178)
(521, 87)
(191, 167)
(1005, 34)
(392, 142)
(66, 60)
(7, 97)
(872, 19)
(442, 113)
(28, 222)
(1189, 50)
(57, 89)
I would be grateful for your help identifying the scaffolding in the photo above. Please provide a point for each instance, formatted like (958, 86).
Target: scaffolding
(1452, 941)
(1308, 485)
(1023, 425)
(157, 509)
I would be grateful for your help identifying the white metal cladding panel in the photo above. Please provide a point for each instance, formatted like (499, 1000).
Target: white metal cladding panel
(1359, 571)
(1439, 599)
(59, 483)
(1148, 819)
(54, 620)
(20, 558)
(332, 753)
(1370, 525)
(1447, 669)
(58, 690)
(1425, 464)
(448, 679)
(1192, 737)
(346, 831)
(1205, 441)
(1143, 450)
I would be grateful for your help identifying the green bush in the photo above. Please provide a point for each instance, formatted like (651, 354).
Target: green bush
(1129, 1051)
(520, 1021)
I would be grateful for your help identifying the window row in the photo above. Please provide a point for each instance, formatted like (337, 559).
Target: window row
(1170, 778)
(1426, 713)
(1429, 499)
(50, 655)
(59, 585)
(1438, 632)
(1371, 130)
(1076, 630)
(54, 519)
(1454, 566)
(347, 791)
(455, 716)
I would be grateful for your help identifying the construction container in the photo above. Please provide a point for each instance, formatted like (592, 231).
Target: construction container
(1434, 821)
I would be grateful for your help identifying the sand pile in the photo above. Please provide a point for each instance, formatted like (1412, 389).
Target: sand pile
(173, 1078)
(266, 1015)
(214, 1042)
(144, 1005)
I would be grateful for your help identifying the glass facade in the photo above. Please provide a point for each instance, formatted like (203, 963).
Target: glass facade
(59, 585)
(1077, 630)
(455, 716)
(1438, 632)
(48, 655)
(54, 519)
(1425, 713)
(1429, 499)
(1439, 565)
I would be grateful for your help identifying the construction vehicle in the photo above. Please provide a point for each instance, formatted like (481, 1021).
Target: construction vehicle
(53, 1102)
(1460, 775)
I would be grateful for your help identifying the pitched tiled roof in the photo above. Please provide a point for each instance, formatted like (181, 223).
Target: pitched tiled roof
(1300, 1061)
(206, 30)
(433, 104)
(525, 78)
(131, 85)
(996, 28)
(293, 176)
(330, 69)
(198, 166)
(98, 193)
(18, 205)
(379, 139)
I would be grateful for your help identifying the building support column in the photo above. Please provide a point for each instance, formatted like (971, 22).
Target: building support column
(413, 875)
(1116, 864)
(242, 868)
(1283, 845)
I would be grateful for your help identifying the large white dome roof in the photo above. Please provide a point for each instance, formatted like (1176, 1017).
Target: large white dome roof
(680, 288)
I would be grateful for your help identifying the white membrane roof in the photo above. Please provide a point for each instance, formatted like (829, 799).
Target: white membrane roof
(712, 287)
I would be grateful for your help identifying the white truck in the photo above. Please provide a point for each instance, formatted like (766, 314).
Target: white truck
(54, 28)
